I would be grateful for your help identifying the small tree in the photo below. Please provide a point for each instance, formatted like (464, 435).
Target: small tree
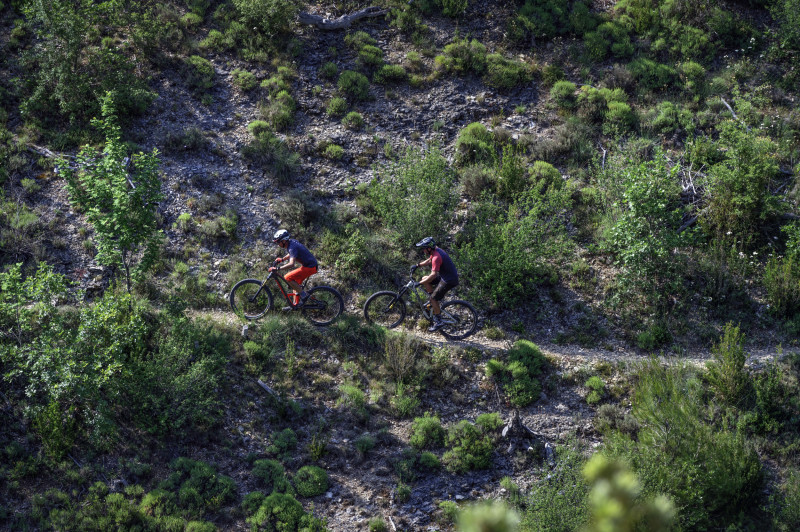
(118, 201)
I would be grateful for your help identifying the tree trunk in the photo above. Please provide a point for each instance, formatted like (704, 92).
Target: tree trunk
(342, 22)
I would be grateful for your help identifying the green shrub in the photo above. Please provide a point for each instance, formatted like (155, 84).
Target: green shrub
(712, 474)
(652, 75)
(364, 443)
(426, 432)
(279, 111)
(276, 84)
(272, 476)
(216, 41)
(279, 511)
(521, 237)
(273, 17)
(693, 76)
(505, 74)
(782, 281)
(597, 389)
(389, 74)
(200, 489)
(463, 56)
(271, 153)
(619, 119)
(476, 180)
(544, 176)
(370, 56)
(563, 94)
(353, 120)
(377, 524)
(334, 152)
(429, 461)
(474, 144)
(788, 514)
(672, 118)
(199, 73)
(593, 103)
(609, 38)
(470, 448)
(726, 372)
(329, 70)
(256, 127)
(511, 174)
(454, 8)
(354, 85)
(336, 107)
(519, 376)
(354, 398)
(311, 481)
(414, 195)
(282, 443)
(359, 39)
(244, 79)
(738, 199)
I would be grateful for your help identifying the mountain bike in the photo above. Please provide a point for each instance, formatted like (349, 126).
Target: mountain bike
(388, 309)
(251, 299)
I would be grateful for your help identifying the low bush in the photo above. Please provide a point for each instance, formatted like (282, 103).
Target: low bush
(353, 120)
(505, 74)
(273, 17)
(593, 103)
(359, 39)
(470, 447)
(726, 373)
(454, 8)
(279, 110)
(519, 375)
(310, 481)
(336, 107)
(463, 56)
(610, 38)
(329, 70)
(271, 153)
(427, 432)
(652, 76)
(200, 489)
(563, 94)
(389, 74)
(370, 56)
(544, 176)
(244, 80)
(474, 145)
(279, 511)
(199, 73)
(782, 281)
(272, 476)
(283, 443)
(619, 119)
(353, 85)
(597, 389)
(414, 195)
(476, 180)
(712, 473)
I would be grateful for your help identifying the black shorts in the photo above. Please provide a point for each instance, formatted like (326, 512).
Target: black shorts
(441, 289)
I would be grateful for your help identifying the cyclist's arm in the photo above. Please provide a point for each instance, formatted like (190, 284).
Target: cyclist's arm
(425, 262)
(285, 265)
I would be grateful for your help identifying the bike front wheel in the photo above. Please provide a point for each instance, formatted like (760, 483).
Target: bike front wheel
(251, 299)
(386, 309)
(324, 304)
(460, 319)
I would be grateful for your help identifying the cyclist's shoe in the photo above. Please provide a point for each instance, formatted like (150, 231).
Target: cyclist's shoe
(427, 305)
(303, 298)
(288, 309)
(437, 323)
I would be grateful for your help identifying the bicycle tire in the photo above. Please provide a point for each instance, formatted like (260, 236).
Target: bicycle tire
(242, 299)
(324, 304)
(466, 319)
(385, 308)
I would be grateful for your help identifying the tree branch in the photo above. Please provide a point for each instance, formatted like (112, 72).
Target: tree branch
(342, 22)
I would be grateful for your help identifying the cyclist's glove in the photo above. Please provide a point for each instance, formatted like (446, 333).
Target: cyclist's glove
(279, 260)
(273, 269)
(414, 268)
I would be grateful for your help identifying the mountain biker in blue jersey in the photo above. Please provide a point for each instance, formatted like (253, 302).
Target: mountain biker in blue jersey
(443, 273)
(297, 253)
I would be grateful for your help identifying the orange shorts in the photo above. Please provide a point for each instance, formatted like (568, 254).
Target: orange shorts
(300, 274)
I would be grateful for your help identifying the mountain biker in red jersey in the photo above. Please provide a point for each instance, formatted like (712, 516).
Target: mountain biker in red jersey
(443, 272)
(297, 253)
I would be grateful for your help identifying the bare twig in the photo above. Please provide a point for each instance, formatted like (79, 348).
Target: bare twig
(267, 388)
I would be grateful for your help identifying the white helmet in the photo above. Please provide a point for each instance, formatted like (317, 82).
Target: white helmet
(280, 235)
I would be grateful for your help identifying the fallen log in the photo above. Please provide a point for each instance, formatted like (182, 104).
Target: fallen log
(342, 22)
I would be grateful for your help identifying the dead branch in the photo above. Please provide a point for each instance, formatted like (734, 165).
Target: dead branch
(267, 388)
(342, 22)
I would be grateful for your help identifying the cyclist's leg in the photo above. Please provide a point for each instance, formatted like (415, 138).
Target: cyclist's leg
(438, 294)
(295, 279)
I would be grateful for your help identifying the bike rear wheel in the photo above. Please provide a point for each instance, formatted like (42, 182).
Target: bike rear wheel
(461, 319)
(385, 308)
(251, 299)
(324, 304)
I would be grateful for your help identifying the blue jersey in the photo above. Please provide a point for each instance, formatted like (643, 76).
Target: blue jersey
(301, 254)
(441, 263)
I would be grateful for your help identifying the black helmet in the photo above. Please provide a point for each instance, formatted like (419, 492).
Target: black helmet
(427, 242)
(280, 235)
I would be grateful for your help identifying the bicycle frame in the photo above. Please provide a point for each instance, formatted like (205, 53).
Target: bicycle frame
(422, 300)
(284, 292)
